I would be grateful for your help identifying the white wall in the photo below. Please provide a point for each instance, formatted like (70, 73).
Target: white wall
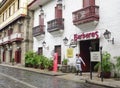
(109, 19)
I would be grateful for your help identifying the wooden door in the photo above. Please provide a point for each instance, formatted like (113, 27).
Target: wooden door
(4, 55)
(85, 54)
(18, 56)
(58, 50)
(40, 51)
(10, 54)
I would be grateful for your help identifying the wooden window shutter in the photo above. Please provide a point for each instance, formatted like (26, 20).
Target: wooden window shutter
(41, 20)
(87, 3)
(58, 12)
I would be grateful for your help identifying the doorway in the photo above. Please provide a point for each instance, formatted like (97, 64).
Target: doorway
(85, 53)
(4, 55)
(18, 56)
(40, 51)
(58, 50)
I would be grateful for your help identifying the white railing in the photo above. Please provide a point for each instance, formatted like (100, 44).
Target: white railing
(11, 37)
(6, 39)
(16, 35)
(1, 41)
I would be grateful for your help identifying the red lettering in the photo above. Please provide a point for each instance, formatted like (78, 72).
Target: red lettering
(96, 33)
(75, 37)
(87, 35)
(93, 34)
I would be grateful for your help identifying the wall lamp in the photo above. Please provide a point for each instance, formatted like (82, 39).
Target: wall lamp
(44, 45)
(41, 11)
(107, 35)
(59, 4)
(72, 44)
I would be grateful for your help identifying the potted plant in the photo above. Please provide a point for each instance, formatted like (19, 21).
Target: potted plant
(43, 63)
(65, 67)
(65, 61)
(49, 64)
(106, 65)
(29, 56)
(117, 68)
(35, 61)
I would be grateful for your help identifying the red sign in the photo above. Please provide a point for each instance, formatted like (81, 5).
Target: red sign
(87, 35)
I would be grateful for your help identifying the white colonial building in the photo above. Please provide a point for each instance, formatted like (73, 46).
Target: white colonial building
(82, 22)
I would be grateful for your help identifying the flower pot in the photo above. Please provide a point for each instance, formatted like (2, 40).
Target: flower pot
(106, 74)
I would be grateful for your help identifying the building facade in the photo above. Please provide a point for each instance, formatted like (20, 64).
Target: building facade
(82, 23)
(15, 31)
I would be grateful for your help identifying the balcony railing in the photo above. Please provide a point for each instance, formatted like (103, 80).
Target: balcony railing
(87, 14)
(38, 30)
(16, 36)
(56, 24)
(1, 41)
(6, 39)
(11, 38)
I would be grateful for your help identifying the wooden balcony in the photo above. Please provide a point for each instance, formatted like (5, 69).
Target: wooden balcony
(86, 15)
(56, 25)
(38, 30)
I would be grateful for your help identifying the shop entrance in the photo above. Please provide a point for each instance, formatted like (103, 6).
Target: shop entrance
(85, 53)
(58, 50)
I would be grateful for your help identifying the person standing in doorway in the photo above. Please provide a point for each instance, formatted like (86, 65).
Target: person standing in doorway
(79, 62)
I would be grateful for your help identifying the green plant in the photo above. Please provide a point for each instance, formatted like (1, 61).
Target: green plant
(117, 67)
(29, 58)
(50, 64)
(65, 61)
(36, 61)
(118, 63)
(44, 62)
(106, 64)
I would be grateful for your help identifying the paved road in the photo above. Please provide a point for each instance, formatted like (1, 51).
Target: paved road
(16, 78)
(9, 82)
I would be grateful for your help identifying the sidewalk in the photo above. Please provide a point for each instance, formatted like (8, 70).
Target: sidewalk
(111, 83)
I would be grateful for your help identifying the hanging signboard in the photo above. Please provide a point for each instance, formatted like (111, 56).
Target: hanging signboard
(95, 56)
(70, 53)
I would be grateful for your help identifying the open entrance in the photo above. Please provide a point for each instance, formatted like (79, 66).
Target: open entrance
(58, 50)
(4, 56)
(85, 53)
(10, 54)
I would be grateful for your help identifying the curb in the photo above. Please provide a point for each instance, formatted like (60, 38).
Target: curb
(100, 84)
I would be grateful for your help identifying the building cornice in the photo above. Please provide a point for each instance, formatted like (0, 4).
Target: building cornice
(2, 3)
(21, 15)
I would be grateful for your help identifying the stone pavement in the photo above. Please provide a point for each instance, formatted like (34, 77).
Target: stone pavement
(110, 83)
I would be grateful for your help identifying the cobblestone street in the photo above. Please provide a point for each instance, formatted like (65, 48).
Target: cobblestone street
(10, 82)
(17, 78)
